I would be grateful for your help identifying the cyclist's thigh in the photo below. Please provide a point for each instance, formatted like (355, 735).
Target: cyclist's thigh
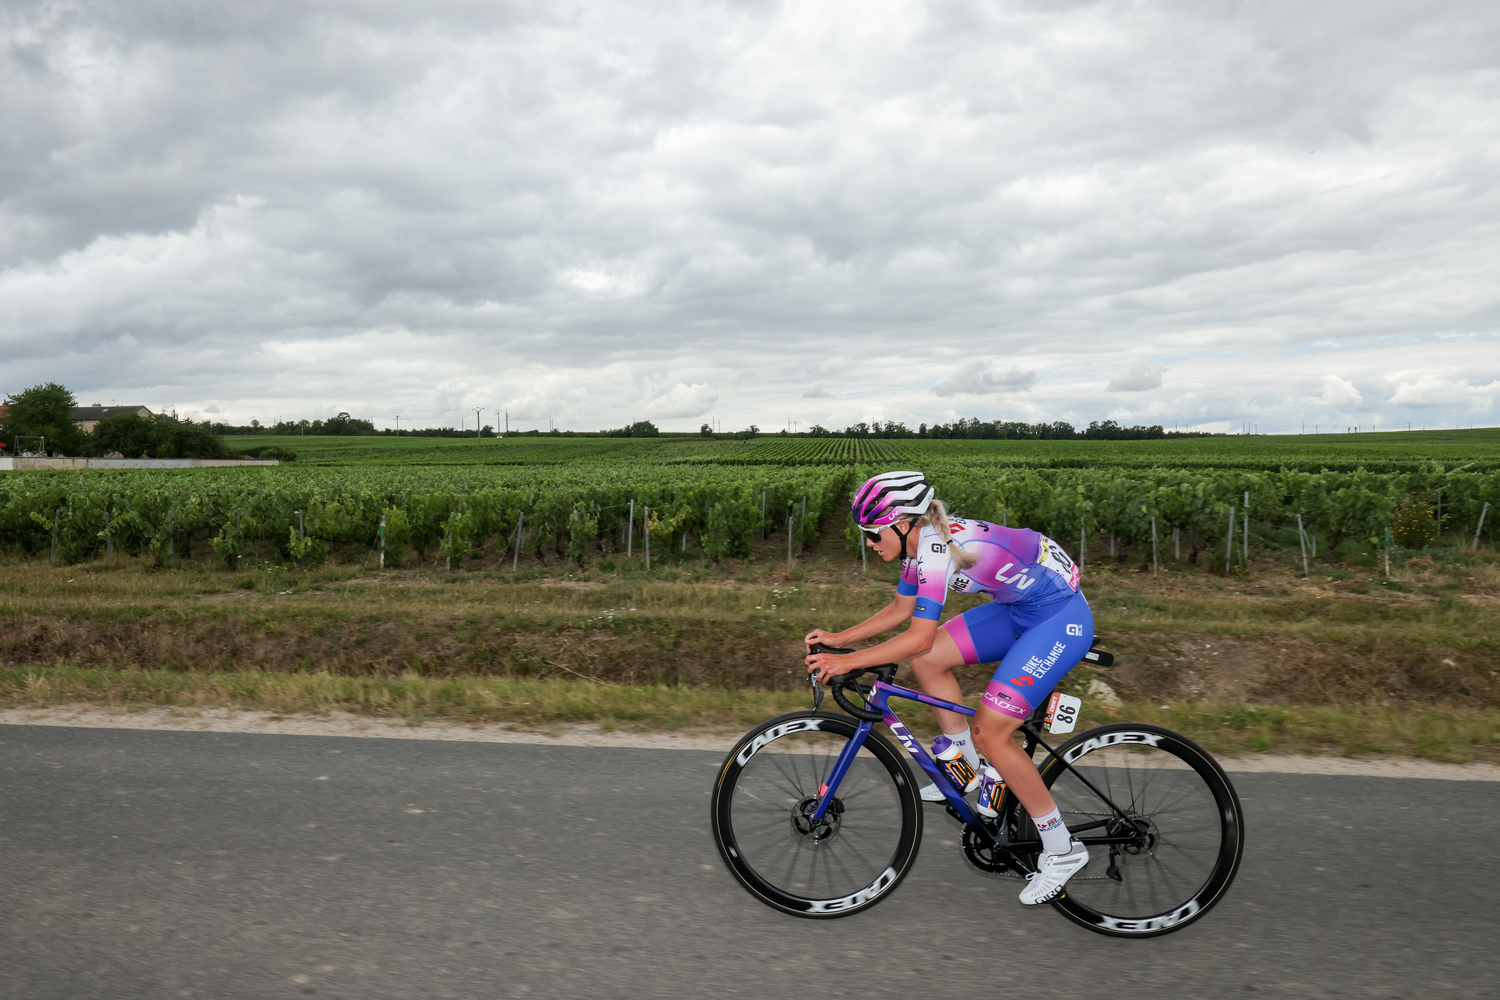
(981, 635)
(1040, 658)
(944, 655)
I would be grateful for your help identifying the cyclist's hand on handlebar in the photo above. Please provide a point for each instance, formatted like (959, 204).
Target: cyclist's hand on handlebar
(826, 665)
(834, 639)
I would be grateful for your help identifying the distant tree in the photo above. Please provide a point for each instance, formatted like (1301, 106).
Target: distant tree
(135, 436)
(188, 439)
(131, 435)
(641, 428)
(45, 410)
(706, 431)
(344, 425)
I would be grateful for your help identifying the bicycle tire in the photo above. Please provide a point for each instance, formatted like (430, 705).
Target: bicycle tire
(1195, 838)
(761, 800)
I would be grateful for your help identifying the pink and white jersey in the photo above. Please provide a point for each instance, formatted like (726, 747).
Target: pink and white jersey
(1016, 566)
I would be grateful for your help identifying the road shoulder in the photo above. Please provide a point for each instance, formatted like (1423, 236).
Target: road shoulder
(342, 724)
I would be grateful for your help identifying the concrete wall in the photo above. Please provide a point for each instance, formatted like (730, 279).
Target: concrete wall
(20, 464)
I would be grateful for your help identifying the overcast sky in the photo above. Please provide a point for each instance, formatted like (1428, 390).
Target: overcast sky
(1201, 213)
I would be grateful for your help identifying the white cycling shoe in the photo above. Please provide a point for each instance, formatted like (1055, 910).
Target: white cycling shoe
(930, 793)
(1053, 872)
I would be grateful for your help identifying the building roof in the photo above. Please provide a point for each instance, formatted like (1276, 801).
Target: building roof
(98, 412)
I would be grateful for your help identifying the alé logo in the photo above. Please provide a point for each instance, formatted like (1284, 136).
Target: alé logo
(775, 733)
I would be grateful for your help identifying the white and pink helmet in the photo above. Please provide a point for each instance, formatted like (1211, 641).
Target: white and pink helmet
(889, 497)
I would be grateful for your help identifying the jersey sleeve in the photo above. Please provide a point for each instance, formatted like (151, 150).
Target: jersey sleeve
(931, 571)
(907, 585)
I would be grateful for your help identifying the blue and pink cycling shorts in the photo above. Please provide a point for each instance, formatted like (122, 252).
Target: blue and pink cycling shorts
(1035, 647)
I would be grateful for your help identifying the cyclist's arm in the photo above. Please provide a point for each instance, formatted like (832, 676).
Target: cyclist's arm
(887, 618)
(917, 639)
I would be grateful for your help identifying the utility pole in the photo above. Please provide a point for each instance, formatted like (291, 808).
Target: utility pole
(507, 421)
(398, 425)
(477, 411)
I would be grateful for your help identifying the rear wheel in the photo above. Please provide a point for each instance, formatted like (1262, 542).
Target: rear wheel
(763, 801)
(1177, 848)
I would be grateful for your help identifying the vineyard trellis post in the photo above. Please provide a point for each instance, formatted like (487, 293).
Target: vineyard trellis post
(629, 532)
(171, 541)
(1245, 545)
(646, 524)
(239, 542)
(789, 518)
(1229, 550)
(1177, 542)
(382, 537)
(1155, 560)
(1302, 544)
(56, 518)
(1387, 551)
(1480, 527)
(520, 539)
(1083, 551)
(301, 534)
(764, 527)
(109, 547)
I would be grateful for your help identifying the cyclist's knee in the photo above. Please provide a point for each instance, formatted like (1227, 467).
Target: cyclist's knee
(993, 724)
(931, 664)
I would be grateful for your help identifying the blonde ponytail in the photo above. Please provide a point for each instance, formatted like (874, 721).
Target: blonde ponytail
(937, 516)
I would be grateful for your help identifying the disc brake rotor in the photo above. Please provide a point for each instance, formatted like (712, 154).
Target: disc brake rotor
(803, 824)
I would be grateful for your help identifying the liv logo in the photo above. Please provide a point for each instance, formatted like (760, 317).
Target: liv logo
(903, 735)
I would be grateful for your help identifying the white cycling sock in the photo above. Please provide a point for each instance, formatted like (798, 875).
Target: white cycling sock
(965, 742)
(1055, 836)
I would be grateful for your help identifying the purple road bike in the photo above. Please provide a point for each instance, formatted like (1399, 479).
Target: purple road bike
(819, 816)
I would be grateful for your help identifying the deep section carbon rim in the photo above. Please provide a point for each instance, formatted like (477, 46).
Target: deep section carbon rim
(769, 786)
(1177, 850)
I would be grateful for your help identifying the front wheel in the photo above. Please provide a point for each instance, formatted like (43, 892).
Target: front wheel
(1175, 851)
(764, 798)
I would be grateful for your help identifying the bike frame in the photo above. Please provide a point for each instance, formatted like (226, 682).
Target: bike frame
(958, 806)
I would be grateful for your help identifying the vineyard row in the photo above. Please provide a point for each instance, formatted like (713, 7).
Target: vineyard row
(583, 511)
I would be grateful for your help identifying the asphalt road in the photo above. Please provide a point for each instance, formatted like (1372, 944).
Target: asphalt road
(161, 864)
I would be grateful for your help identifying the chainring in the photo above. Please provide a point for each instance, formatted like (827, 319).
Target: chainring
(980, 857)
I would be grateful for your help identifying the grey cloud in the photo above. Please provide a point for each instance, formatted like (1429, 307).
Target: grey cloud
(1137, 378)
(373, 198)
(975, 378)
(818, 391)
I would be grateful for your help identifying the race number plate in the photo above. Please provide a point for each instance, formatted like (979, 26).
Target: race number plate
(1062, 713)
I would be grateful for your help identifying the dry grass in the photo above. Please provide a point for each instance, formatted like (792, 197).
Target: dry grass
(1345, 660)
(1459, 735)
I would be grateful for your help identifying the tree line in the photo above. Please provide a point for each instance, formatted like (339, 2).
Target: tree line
(45, 413)
(973, 427)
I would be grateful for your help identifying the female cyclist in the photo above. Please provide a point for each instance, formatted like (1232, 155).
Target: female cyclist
(1038, 626)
